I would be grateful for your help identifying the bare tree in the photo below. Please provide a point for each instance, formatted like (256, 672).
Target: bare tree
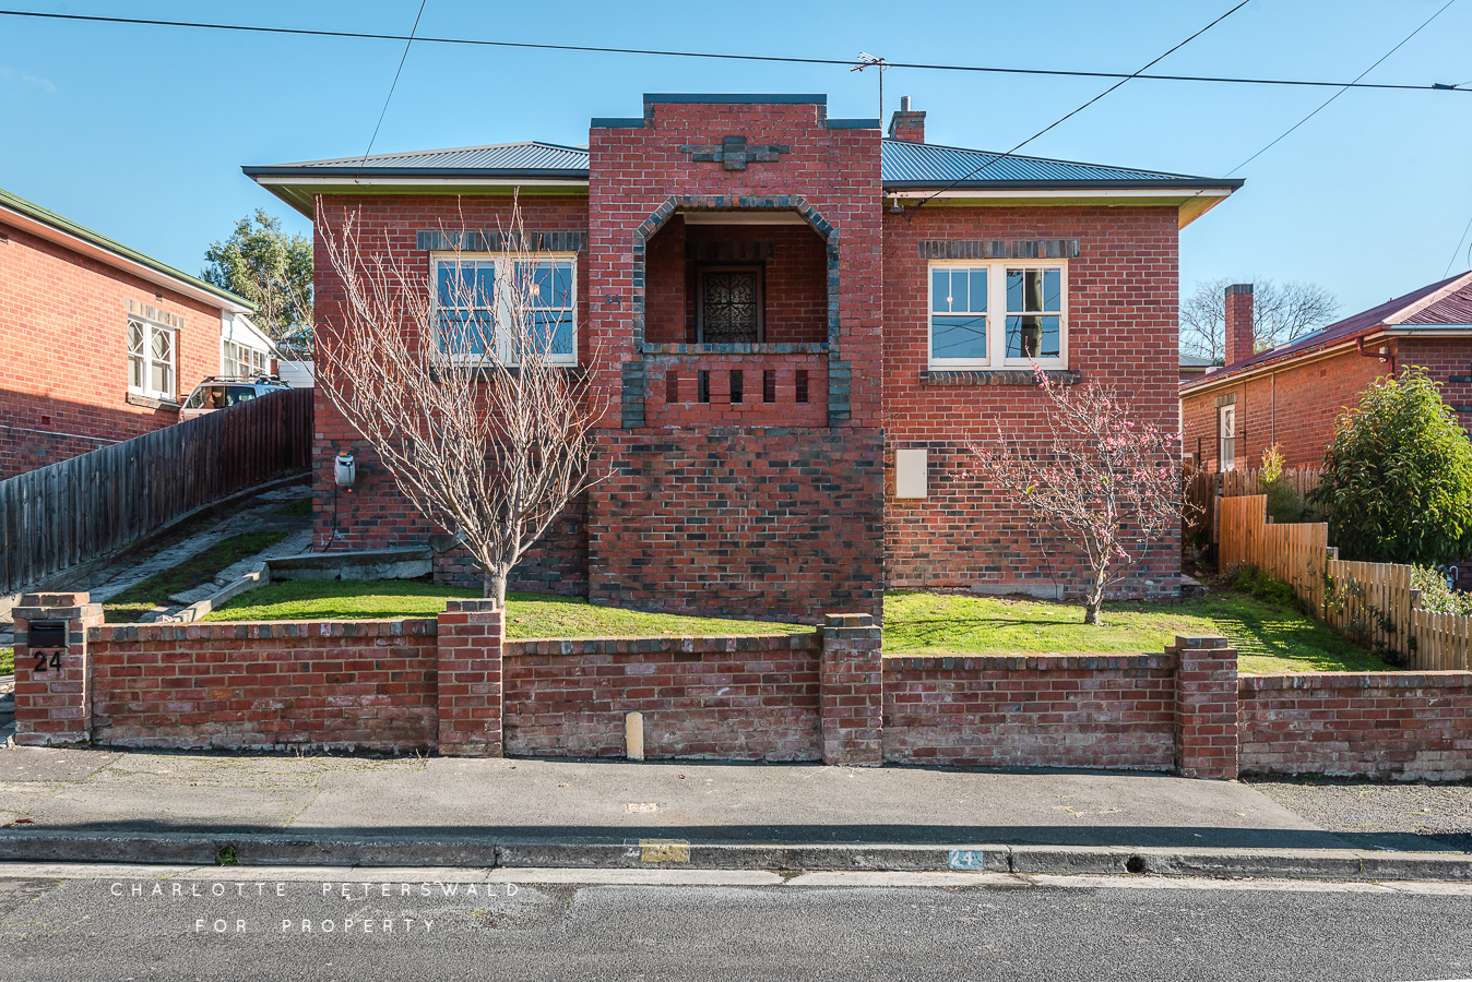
(1108, 480)
(1282, 312)
(463, 387)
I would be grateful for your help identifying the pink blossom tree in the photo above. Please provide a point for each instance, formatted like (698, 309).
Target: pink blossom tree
(1110, 482)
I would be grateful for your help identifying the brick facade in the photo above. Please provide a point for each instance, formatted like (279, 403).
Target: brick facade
(1122, 302)
(65, 351)
(760, 475)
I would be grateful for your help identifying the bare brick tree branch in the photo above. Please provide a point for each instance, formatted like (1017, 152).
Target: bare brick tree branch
(462, 384)
(1110, 482)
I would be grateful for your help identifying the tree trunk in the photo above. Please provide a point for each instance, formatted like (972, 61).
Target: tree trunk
(1094, 599)
(493, 587)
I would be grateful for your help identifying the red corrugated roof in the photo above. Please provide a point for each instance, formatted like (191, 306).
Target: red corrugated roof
(1455, 308)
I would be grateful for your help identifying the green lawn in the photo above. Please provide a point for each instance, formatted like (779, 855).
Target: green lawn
(201, 567)
(7, 661)
(528, 615)
(1269, 637)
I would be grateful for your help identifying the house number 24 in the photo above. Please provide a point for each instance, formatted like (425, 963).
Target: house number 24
(46, 661)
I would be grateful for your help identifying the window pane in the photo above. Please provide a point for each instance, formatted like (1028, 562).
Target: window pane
(135, 372)
(163, 345)
(162, 378)
(939, 290)
(554, 329)
(471, 284)
(465, 333)
(1035, 290)
(960, 295)
(1031, 336)
(135, 337)
(957, 336)
(978, 290)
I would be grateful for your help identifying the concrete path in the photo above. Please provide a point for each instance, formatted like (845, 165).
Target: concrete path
(104, 791)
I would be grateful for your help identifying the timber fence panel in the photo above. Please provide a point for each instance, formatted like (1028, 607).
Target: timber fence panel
(88, 506)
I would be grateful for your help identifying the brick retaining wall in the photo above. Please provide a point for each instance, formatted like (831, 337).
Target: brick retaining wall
(753, 698)
(366, 685)
(1046, 710)
(1400, 725)
(453, 684)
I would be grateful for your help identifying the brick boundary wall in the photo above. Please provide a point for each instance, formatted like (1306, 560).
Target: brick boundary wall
(726, 698)
(453, 683)
(1113, 711)
(1410, 726)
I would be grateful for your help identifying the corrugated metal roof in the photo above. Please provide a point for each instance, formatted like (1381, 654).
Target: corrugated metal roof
(912, 165)
(528, 157)
(908, 164)
(1450, 309)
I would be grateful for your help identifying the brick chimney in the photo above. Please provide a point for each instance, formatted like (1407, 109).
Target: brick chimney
(1238, 344)
(907, 124)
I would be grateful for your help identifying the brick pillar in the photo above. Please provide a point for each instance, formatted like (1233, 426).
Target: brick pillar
(53, 687)
(1206, 708)
(851, 683)
(1238, 343)
(470, 640)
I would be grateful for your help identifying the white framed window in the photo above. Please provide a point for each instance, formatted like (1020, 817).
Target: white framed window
(1227, 437)
(473, 304)
(152, 359)
(241, 361)
(996, 314)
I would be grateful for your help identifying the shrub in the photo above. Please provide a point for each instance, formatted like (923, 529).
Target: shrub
(1397, 482)
(1269, 589)
(1285, 503)
(1436, 596)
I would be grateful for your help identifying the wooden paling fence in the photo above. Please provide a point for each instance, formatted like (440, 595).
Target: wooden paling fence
(90, 506)
(1205, 489)
(1372, 603)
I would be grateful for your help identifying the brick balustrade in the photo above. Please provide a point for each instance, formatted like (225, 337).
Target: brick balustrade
(454, 684)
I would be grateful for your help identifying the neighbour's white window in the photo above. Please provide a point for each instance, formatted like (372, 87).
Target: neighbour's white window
(1227, 459)
(152, 358)
(998, 314)
(472, 313)
(240, 361)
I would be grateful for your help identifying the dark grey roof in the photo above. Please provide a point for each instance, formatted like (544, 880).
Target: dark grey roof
(1195, 361)
(528, 158)
(904, 165)
(927, 165)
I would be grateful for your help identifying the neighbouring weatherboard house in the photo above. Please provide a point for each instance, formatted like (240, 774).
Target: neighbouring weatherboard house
(798, 351)
(1292, 394)
(99, 342)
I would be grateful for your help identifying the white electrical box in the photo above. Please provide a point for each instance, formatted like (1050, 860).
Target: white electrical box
(911, 473)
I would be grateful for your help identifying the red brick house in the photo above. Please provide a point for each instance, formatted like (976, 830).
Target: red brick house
(800, 349)
(100, 342)
(1292, 394)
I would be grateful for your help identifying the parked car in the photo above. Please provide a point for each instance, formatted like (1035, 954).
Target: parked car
(221, 392)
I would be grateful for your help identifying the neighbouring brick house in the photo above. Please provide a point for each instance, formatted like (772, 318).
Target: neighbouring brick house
(802, 324)
(1292, 394)
(101, 343)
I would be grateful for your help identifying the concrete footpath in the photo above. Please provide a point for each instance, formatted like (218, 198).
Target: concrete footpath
(111, 806)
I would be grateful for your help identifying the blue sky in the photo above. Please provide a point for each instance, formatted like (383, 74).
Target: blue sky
(140, 132)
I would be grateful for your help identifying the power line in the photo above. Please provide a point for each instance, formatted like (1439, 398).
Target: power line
(395, 83)
(1458, 248)
(722, 55)
(1325, 104)
(1075, 111)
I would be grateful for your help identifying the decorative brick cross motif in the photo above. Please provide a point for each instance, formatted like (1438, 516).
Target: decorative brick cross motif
(734, 153)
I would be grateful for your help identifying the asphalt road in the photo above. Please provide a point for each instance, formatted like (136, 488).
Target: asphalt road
(137, 924)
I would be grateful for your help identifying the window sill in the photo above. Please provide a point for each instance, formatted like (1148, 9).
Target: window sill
(150, 402)
(776, 348)
(995, 376)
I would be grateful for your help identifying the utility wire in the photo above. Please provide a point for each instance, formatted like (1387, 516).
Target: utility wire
(1325, 104)
(395, 83)
(720, 55)
(993, 161)
(1458, 248)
